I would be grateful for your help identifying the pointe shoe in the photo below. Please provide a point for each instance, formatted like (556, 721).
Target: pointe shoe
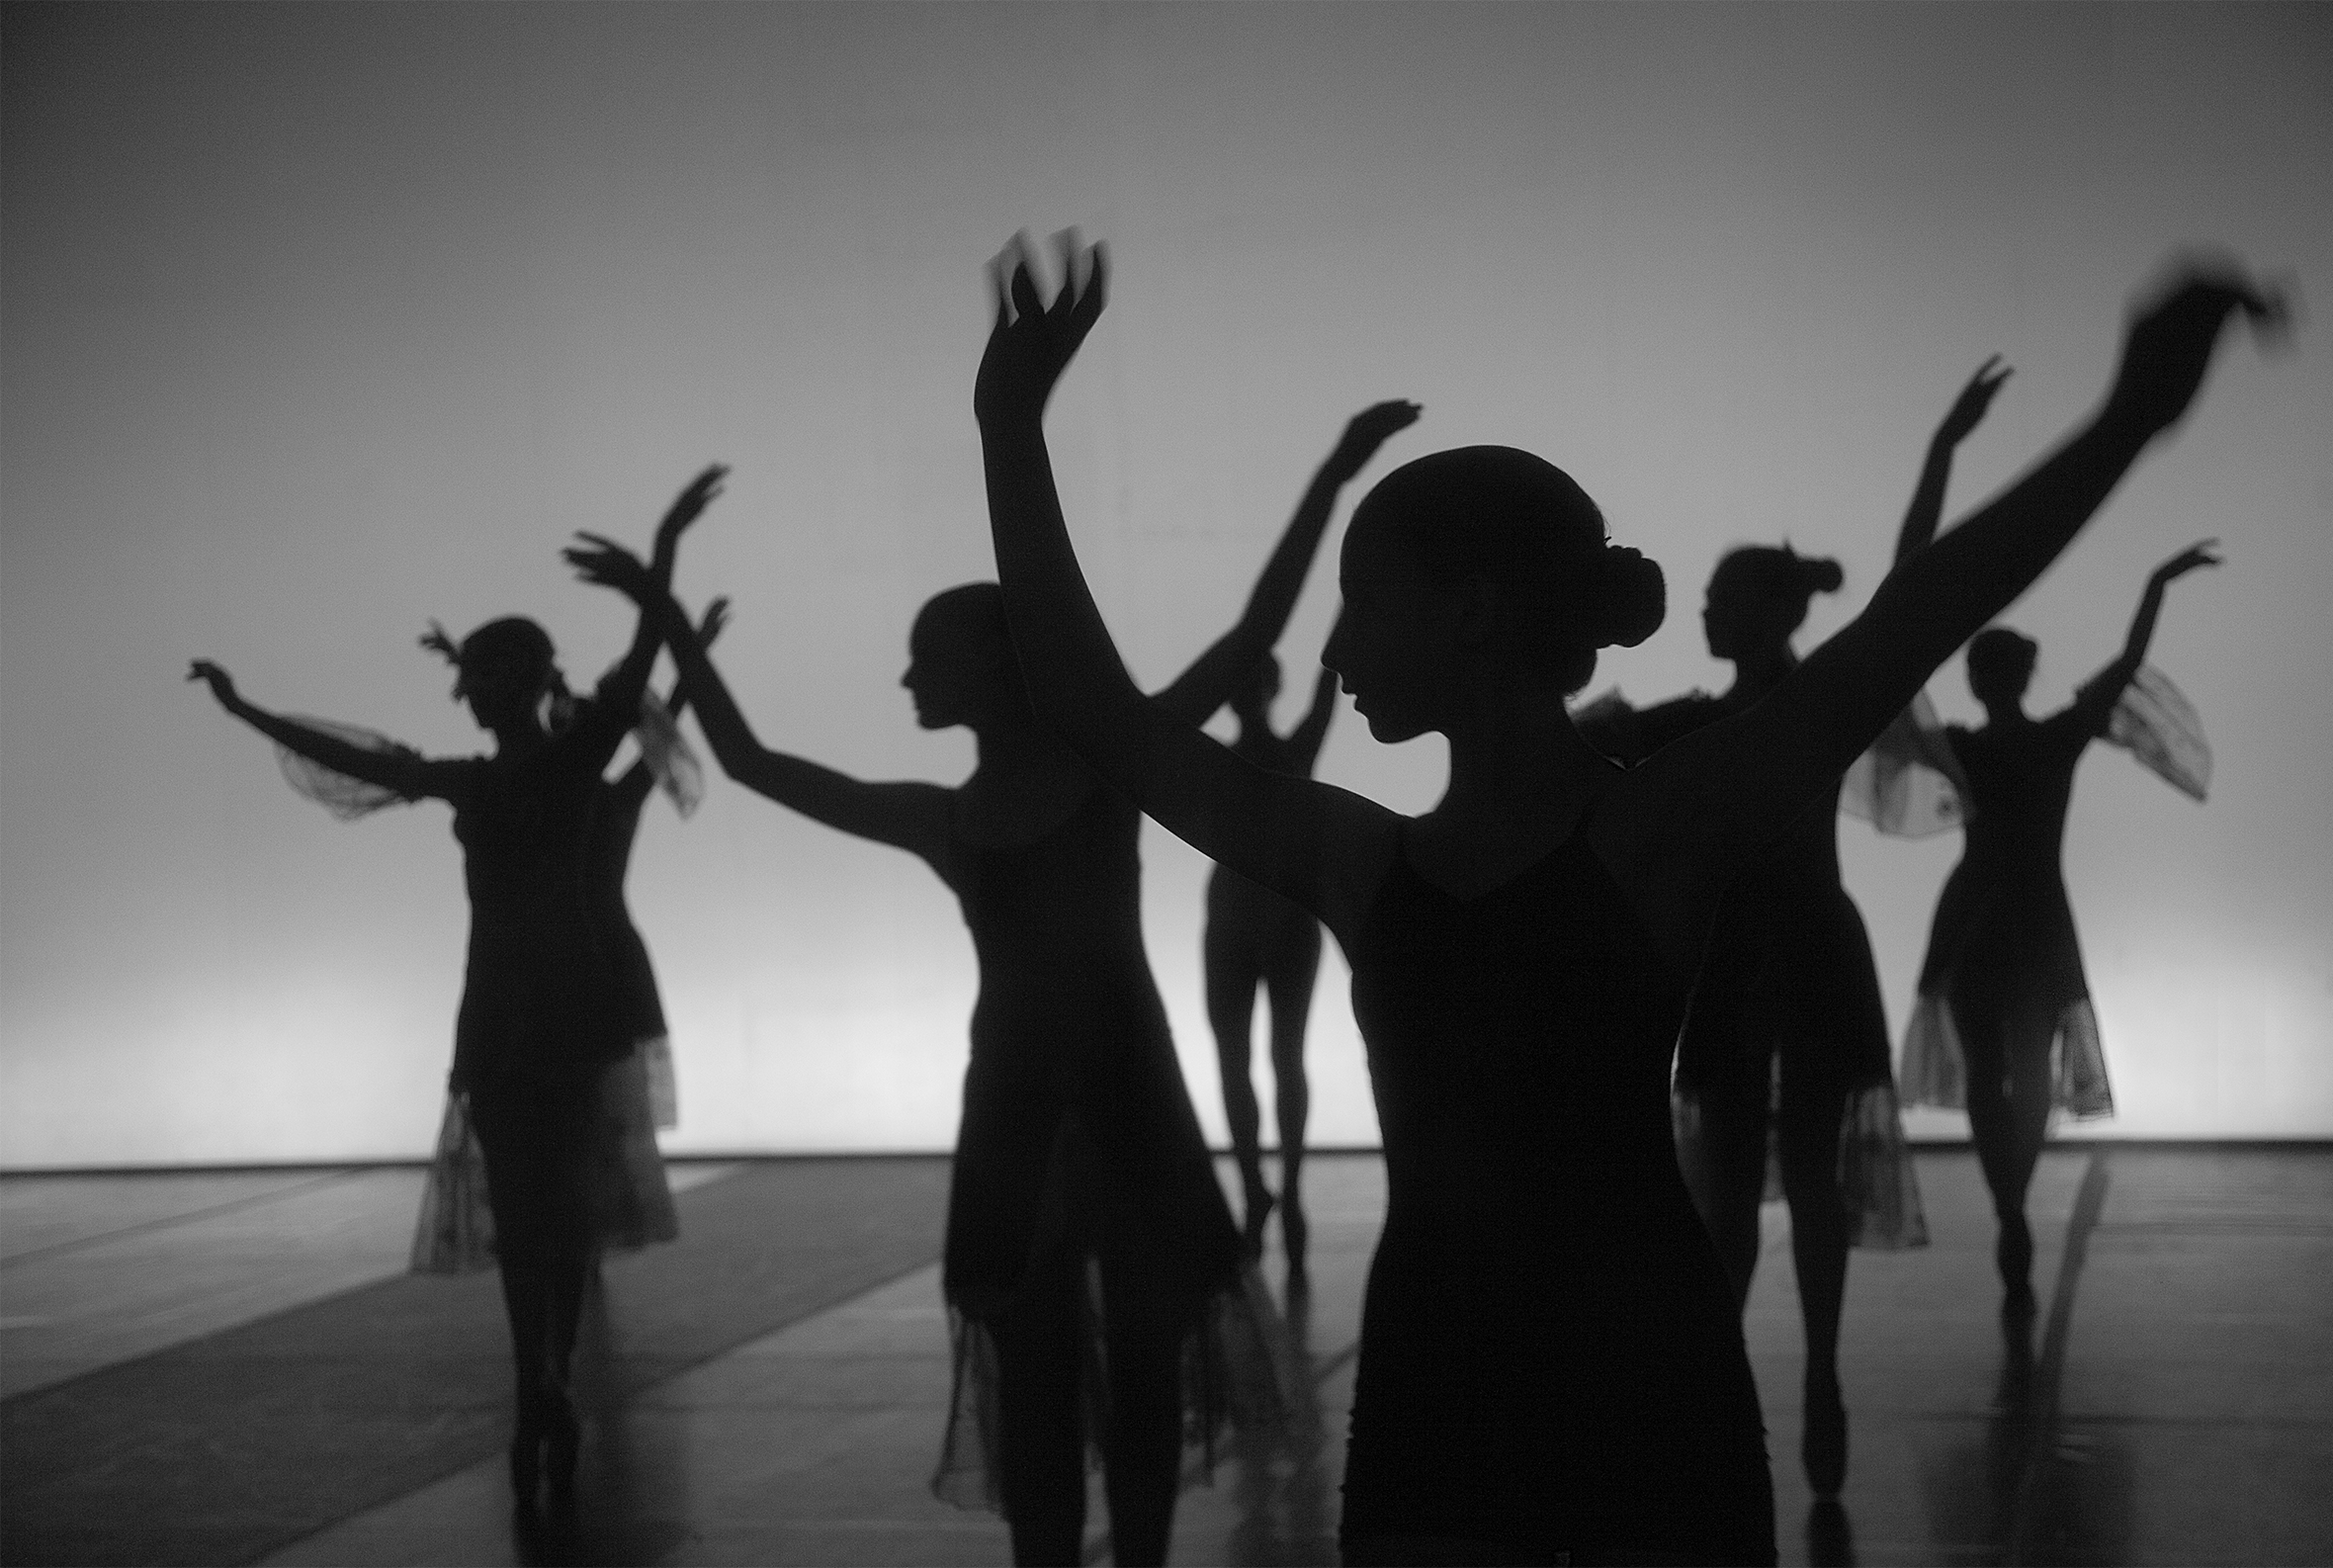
(1822, 1441)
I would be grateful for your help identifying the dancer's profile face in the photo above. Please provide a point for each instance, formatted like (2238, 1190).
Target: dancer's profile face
(953, 671)
(1729, 620)
(1394, 640)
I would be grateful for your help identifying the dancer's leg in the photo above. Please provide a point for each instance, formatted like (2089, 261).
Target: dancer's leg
(1288, 985)
(1041, 1424)
(1807, 1126)
(1142, 1452)
(1233, 970)
(1722, 1147)
(1992, 1126)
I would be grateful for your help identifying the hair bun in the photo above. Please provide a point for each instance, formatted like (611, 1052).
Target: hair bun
(1632, 596)
(1820, 574)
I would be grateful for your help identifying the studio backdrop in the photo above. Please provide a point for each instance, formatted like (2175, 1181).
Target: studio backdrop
(324, 322)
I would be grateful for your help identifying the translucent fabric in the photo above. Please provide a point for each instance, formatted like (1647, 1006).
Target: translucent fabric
(1876, 1181)
(670, 760)
(1935, 1068)
(2155, 722)
(1908, 783)
(454, 1234)
(631, 1201)
(345, 798)
(1877, 1185)
(664, 1085)
(1238, 1370)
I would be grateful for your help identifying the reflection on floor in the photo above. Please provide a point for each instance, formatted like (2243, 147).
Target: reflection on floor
(193, 1372)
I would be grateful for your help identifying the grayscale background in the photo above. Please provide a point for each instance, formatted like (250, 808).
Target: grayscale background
(322, 321)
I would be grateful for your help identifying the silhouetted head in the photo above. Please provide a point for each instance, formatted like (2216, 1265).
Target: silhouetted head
(1757, 597)
(960, 660)
(2001, 666)
(505, 670)
(1254, 701)
(1480, 565)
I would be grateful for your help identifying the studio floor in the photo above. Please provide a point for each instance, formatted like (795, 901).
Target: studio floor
(233, 1367)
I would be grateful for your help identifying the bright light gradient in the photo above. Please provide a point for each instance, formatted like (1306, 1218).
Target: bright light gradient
(321, 322)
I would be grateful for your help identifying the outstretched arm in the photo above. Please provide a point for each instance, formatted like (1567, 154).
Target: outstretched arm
(1304, 742)
(912, 816)
(1323, 847)
(2099, 693)
(402, 772)
(1231, 663)
(1695, 811)
(1927, 496)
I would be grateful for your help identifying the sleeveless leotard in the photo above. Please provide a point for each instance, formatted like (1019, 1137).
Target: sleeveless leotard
(1550, 1358)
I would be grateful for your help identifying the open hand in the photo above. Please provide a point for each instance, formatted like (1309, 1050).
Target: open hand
(1370, 429)
(2204, 552)
(2171, 339)
(1033, 342)
(222, 684)
(1969, 409)
(602, 561)
(716, 615)
(686, 508)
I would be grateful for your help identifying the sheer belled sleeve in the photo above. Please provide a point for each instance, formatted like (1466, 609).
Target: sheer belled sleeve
(344, 797)
(666, 751)
(1909, 783)
(2155, 722)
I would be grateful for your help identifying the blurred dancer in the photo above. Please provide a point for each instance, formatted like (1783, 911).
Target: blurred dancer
(543, 1017)
(2003, 1024)
(1080, 1158)
(1254, 936)
(1782, 1068)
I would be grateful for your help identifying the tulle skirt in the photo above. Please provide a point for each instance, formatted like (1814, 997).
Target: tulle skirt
(1935, 1069)
(1239, 1371)
(1877, 1185)
(632, 1204)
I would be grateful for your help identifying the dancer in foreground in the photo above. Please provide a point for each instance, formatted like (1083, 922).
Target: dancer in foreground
(1785, 1046)
(1551, 1367)
(542, 1020)
(1080, 1153)
(1254, 936)
(2003, 1024)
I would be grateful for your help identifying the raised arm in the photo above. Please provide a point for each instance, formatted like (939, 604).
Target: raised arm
(2099, 693)
(1695, 811)
(1216, 675)
(1323, 847)
(402, 772)
(911, 817)
(1304, 742)
(620, 688)
(639, 778)
(1928, 495)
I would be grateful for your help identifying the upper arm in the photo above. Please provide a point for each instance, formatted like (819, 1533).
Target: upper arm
(2093, 704)
(907, 814)
(1320, 846)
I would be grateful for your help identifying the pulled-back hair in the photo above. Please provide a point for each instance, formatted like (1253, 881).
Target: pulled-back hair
(1776, 577)
(969, 606)
(509, 639)
(1520, 523)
